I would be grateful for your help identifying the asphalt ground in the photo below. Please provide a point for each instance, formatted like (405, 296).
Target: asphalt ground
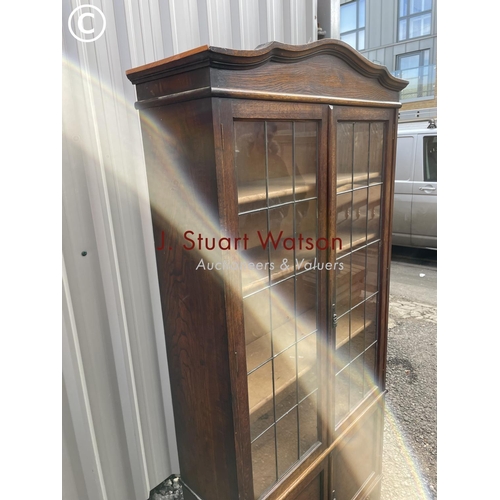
(410, 434)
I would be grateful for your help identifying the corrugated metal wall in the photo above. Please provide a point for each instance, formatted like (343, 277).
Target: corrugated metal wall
(118, 433)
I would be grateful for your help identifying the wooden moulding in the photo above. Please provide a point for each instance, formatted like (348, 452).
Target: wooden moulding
(268, 73)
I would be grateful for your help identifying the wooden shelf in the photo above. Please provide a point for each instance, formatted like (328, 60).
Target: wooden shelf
(341, 207)
(279, 187)
(277, 274)
(361, 179)
(358, 238)
(357, 326)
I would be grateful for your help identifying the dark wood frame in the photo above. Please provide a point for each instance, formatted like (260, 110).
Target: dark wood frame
(204, 90)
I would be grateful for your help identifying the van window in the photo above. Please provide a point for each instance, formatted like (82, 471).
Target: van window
(404, 158)
(430, 158)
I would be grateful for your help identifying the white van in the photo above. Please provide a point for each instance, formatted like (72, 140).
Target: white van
(415, 194)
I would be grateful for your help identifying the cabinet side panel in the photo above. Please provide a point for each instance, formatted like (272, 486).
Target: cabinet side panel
(179, 150)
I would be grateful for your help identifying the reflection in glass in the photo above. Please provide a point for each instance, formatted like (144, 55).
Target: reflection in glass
(345, 135)
(306, 157)
(369, 370)
(279, 162)
(341, 395)
(250, 224)
(264, 463)
(281, 227)
(372, 254)
(343, 286)
(358, 321)
(307, 365)
(342, 356)
(287, 441)
(250, 162)
(257, 321)
(359, 206)
(285, 375)
(343, 226)
(306, 303)
(371, 321)
(308, 423)
(358, 263)
(356, 385)
(260, 399)
(306, 224)
(342, 330)
(361, 143)
(373, 227)
(357, 340)
(283, 314)
(376, 151)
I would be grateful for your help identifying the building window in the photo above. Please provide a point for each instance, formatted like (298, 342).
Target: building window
(414, 18)
(352, 23)
(416, 68)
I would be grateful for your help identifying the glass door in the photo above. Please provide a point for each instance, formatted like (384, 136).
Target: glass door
(360, 154)
(277, 188)
(361, 187)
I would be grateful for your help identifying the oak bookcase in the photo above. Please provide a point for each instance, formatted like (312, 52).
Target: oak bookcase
(276, 348)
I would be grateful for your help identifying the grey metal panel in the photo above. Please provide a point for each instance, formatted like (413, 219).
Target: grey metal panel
(219, 23)
(388, 58)
(389, 25)
(166, 22)
(287, 21)
(249, 24)
(275, 21)
(412, 46)
(184, 25)
(429, 43)
(426, 43)
(235, 24)
(373, 35)
(434, 17)
(399, 49)
(329, 17)
(311, 34)
(203, 24)
(370, 55)
(73, 481)
(263, 22)
(299, 15)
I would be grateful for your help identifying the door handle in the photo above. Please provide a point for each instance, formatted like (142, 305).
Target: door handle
(427, 188)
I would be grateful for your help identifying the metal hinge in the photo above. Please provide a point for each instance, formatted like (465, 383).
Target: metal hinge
(334, 317)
